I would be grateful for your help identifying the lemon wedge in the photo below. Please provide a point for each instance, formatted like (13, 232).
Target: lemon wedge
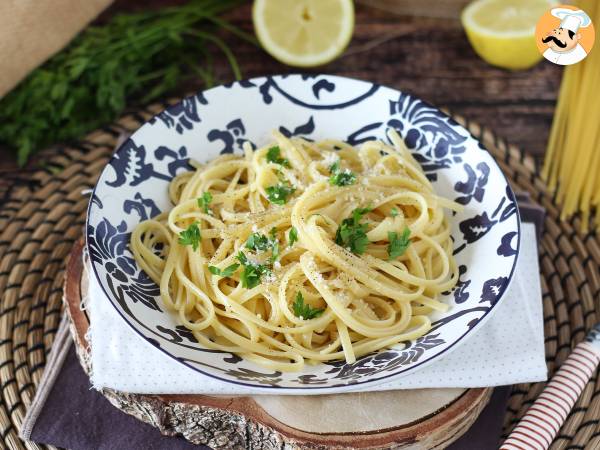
(502, 32)
(303, 33)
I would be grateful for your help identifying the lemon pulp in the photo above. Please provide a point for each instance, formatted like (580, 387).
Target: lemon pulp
(303, 33)
(502, 32)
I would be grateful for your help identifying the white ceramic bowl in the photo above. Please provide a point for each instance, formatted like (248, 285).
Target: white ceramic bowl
(133, 187)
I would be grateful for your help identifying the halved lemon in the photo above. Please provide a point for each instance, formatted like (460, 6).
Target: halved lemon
(303, 33)
(502, 32)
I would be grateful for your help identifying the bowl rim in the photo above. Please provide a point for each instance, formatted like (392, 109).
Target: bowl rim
(372, 381)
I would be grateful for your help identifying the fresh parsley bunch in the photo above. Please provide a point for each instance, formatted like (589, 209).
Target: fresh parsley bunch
(134, 57)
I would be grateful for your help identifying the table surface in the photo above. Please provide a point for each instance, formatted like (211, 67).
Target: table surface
(430, 58)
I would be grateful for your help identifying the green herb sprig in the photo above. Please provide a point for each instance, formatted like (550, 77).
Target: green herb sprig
(398, 244)
(226, 272)
(351, 234)
(279, 193)
(341, 177)
(252, 273)
(204, 201)
(191, 236)
(292, 236)
(274, 252)
(260, 242)
(274, 156)
(303, 310)
(132, 59)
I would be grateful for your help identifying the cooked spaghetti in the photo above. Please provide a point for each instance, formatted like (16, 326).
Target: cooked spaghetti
(302, 252)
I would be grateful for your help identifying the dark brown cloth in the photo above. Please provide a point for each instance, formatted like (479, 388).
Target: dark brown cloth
(77, 417)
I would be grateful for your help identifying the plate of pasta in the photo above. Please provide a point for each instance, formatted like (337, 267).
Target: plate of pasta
(303, 233)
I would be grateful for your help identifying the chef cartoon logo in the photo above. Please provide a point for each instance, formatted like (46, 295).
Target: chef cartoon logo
(565, 35)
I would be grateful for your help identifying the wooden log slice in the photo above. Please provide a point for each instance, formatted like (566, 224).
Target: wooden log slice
(405, 419)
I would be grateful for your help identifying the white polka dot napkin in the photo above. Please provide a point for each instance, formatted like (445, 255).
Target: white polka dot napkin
(508, 349)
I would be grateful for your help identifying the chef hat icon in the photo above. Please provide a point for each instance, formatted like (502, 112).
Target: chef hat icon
(571, 19)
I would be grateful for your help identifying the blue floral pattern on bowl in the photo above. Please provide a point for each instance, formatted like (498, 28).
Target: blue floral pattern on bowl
(133, 187)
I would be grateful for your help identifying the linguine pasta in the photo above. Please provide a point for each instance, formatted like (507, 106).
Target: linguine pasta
(302, 252)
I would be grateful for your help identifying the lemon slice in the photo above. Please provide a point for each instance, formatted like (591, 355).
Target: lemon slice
(502, 32)
(303, 33)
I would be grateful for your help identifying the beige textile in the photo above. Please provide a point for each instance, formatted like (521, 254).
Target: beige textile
(33, 30)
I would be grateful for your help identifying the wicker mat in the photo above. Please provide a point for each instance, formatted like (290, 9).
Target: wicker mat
(42, 216)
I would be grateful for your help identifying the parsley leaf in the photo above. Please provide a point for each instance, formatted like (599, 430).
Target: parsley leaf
(274, 156)
(252, 273)
(226, 272)
(274, 245)
(274, 251)
(303, 311)
(131, 58)
(398, 244)
(293, 236)
(279, 193)
(353, 235)
(394, 212)
(191, 236)
(273, 233)
(258, 242)
(204, 201)
(345, 178)
(341, 177)
(359, 212)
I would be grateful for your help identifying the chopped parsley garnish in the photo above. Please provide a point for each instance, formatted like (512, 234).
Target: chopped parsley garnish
(274, 245)
(293, 236)
(341, 177)
(274, 252)
(226, 272)
(351, 234)
(258, 242)
(204, 201)
(274, 156)
(191, 236)
(252, 272)
(398, 244)
(394, 212)
(303, 311)
(279, 193)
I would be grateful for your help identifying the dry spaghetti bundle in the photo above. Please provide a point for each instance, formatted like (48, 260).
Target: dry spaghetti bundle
(572, 165)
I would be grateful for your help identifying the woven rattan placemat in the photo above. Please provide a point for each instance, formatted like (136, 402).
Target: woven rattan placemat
(43, 215)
